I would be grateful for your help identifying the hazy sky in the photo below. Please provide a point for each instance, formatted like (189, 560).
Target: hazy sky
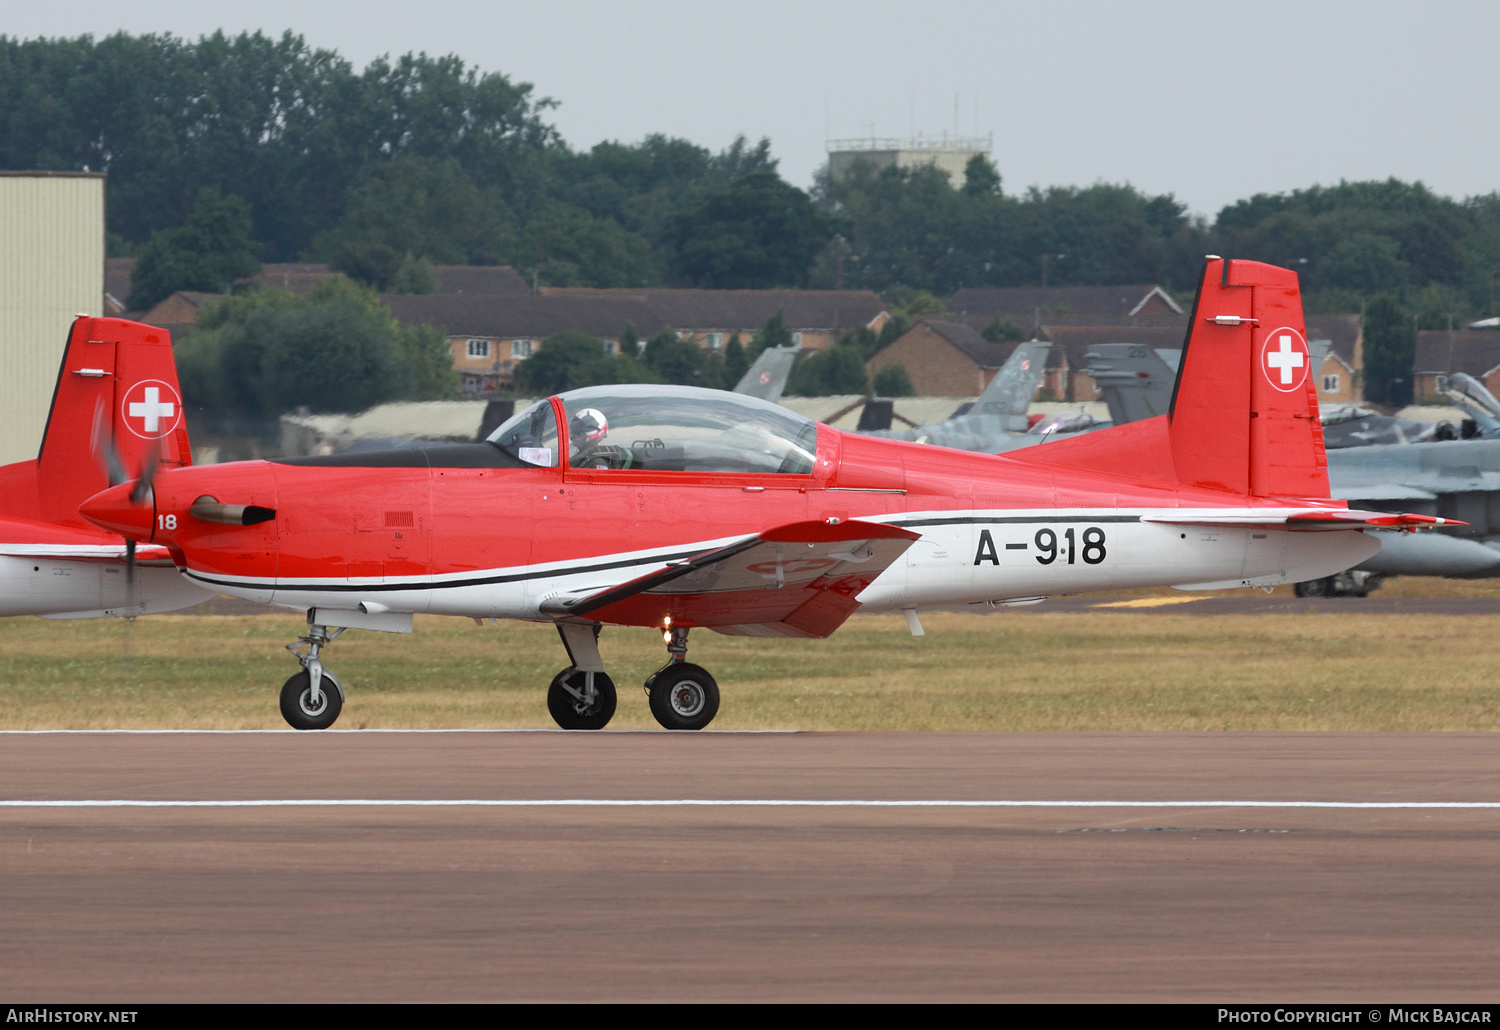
(1210, 101)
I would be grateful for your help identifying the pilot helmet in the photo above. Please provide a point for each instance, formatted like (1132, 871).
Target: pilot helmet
(588, 425)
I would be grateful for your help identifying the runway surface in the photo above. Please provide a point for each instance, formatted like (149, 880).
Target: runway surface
(558, 900)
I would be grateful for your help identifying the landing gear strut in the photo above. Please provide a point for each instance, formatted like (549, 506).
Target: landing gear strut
(313, 698)
(683, 695)
(1355, 583)
(582, 696)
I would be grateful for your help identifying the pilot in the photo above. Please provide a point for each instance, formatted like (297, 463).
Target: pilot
(587, 430)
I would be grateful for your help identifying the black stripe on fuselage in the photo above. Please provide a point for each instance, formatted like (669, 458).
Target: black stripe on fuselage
(428, 584)
(1019, 520)
(449, 456)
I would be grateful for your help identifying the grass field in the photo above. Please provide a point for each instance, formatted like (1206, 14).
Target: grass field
(1016, 670)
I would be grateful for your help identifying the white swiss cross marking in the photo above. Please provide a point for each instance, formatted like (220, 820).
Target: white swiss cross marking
(151, 409)
(1284, 359)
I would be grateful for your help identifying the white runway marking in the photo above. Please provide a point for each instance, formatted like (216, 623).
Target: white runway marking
(719, 803)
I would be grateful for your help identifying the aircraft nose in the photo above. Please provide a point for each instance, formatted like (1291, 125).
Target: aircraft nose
(113, 510)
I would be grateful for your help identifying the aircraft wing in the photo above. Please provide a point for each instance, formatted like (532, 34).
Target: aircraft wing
(1328, 519)
(1383, 492)
(29, 538)
(797, 580)
(152, 553)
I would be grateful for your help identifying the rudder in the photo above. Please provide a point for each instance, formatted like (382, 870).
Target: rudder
(1246, 354)
(126, 371)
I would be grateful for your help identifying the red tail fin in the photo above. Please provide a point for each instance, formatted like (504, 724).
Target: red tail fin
(126, 371)
(1244, 414)
(1247, 352)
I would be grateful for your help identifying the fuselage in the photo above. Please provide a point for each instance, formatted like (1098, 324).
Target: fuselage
(449, 531)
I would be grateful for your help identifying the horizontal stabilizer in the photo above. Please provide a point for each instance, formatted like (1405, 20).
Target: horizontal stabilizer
(795, 580)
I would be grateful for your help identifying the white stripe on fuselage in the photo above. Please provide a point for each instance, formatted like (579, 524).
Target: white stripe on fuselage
(963, 557)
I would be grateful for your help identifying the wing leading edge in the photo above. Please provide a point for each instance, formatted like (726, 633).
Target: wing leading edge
(797, 580)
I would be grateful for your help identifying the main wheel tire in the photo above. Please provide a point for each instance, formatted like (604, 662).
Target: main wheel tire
(572, 714)
(296, 701)
(684, 697)
(1314, 588)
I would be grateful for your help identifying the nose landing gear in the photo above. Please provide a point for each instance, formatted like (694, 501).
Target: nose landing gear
(683, 695)
(307, 702)
(581, 700)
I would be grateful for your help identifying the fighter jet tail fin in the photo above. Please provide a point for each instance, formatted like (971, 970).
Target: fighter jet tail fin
(1244, 414)
(1009, 393)
(767, 378)
(1136, 381)
(117, 406)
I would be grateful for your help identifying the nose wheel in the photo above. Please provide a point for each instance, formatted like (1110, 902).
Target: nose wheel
(304, 711)
(581, 700)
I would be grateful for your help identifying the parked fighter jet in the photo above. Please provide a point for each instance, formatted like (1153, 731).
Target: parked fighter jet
(997, 419)
(671, 508)
(117, 400)
(1475, 400)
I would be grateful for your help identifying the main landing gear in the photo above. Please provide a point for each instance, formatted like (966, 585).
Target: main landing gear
(683, 696)
(313, 698)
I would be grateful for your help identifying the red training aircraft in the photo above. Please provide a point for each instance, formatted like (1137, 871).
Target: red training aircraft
(674, 508)
(117, 383)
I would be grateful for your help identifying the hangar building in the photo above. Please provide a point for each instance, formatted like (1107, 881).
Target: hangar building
(51, 269)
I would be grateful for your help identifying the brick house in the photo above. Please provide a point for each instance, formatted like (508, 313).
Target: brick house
(944, 358)
(1338, 378)
(489, 333)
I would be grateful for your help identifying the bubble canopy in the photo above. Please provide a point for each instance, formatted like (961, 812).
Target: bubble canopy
(664, 429)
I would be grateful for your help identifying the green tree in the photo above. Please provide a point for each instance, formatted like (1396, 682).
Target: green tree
(410, 212)
(209, 252)
(336, 349)
(570, 360)
(775, 333)
(838, 370)
(893, 381)
(980, 177)
(1003, 331)
(567, 246)
(683, 362)
(757, 232)
(630, 341)
(736, 364)
(1390, 350)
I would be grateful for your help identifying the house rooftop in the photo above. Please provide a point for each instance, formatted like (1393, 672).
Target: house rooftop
(744, 310)
(1474, 351)
(1031, 305)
